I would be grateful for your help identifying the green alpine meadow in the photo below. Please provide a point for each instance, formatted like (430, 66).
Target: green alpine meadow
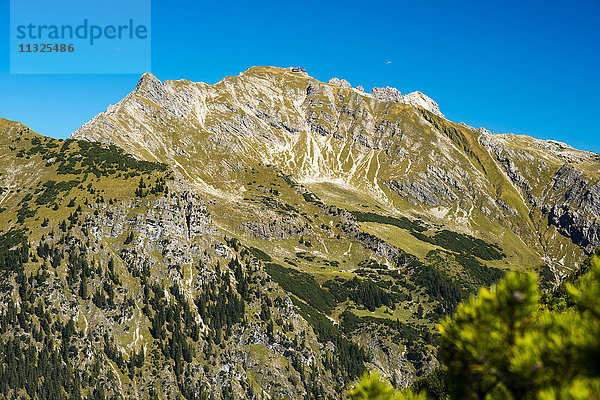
(272, 236)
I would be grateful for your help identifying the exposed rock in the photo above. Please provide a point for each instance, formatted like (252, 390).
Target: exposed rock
(577, 226)
(415, 99)
(565, 177)
(340, 82)
(572, 205)
(387, 94)
(421, 100)
(431, 191)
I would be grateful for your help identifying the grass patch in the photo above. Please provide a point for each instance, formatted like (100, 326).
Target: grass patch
(449, 240)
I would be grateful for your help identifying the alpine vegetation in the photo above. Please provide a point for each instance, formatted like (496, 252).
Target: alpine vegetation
(273, 236)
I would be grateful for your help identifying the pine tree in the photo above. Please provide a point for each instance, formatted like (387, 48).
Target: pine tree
(502, 345)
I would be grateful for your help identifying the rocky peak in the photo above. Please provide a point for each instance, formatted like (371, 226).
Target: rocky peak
(387, 94)
(151, 88)
(419, 99)
(414, 99)
(148, 81)
(340, 82)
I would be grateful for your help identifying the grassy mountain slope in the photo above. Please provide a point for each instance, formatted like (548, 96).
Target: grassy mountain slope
(358, 152)
(271, 235)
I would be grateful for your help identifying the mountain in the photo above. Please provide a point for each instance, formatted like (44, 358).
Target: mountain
(267, 236)
(365, 152)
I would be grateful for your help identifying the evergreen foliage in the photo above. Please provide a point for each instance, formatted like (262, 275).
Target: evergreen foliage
(482, 273)
(302, 285)
(14, 251)
(449, 240)
(440, 286)
(261, 255)
(507, 343)
(350, 356)
(503, 345)
(52, 189)
(372, 387)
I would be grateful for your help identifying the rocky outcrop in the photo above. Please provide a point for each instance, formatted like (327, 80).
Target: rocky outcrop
(566, 177)
(578, 210)
(174, 236)
(176, 227)
(435, 187)
(570, 201)
(421, 100)
(416, 99)
(341, 83)
(381, 248)
(422, 191)
(577, 226)
(387, 94)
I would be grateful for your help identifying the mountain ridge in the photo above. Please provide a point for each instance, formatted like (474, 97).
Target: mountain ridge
(269, 235)
(280, 141)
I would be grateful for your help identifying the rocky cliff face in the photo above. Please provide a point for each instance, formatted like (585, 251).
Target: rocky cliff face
(176, 241)
(559, 183)
(416, 99)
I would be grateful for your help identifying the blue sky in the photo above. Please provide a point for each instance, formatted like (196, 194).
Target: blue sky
(511, 66)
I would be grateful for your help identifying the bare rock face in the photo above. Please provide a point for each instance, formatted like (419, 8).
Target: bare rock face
(578, 211)
(387, 94)
(430, 192)
(415, 99)
(565, 177)
(571, 198)
(340, 82)
(419, 99)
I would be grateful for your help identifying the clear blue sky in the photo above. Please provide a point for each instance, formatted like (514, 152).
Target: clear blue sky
(510, 66)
